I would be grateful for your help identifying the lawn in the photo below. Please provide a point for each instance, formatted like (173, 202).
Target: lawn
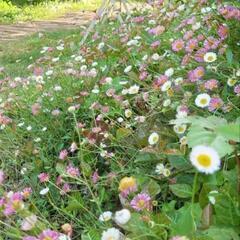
(10, 13)
(133, 135)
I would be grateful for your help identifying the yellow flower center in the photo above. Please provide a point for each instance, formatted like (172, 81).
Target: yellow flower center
(204, 160)
(110, 238)
(141, 203)
(210, 58)
(203, 101)
(47, 238)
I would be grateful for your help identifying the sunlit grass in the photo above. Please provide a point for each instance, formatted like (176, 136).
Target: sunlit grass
(10, 13)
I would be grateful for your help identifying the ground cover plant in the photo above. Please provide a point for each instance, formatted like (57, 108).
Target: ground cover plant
(132, 135)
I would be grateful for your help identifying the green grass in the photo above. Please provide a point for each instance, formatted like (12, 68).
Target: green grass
(10, 13)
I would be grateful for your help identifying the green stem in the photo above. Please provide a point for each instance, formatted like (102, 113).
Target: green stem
(194, 187)
(193, 198)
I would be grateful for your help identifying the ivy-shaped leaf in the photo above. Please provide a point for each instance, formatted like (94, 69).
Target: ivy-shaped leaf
(181, 190)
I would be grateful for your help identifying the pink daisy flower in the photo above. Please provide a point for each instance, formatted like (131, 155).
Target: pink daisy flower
(177, 45)
(49, 235)
(211, 84)
(43, 177)
(215, 103)
(141, 202)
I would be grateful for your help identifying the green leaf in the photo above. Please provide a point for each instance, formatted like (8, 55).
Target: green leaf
(183, 223)
(178, 161)
(229, 55)
(221, 233)
(226, 210)
(181, 190)
(229, 131)
(92, 234)
(153, 188)
(122, 133)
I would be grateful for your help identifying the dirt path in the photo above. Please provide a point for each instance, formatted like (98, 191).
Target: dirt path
(69, 21)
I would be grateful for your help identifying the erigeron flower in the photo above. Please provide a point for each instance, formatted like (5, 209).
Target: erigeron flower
(166, 102)
(2, 177)
(156, 57)
(122, 217)
(111, 234)
(120, 119)
(196, 26)
(128, 113)
(166, 172)
(202, 100)
(133, 89)
(210, 57)
(105, 216)
(153, 138)
(29, 223)
(49, 235)
(127, 185)
(180, 129)
(141, 202)
(44, 191)
(179, 238)
(159, 168)
(128, 69)
(101, 45)
(205, 159)
(169, 72)
(166, 86)
(183, 140)
(231, 82)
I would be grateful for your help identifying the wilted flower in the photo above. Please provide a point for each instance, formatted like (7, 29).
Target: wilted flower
(122, 217)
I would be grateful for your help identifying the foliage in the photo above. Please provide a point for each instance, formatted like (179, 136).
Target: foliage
(87, 131)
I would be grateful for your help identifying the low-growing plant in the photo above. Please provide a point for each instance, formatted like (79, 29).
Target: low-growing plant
(132, 135)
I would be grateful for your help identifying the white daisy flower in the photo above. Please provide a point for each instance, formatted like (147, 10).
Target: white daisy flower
(111, 234)
(180, 129)
(166, 86)
(202, 100)
(210, 57)
(122, 217)
(167, 102)
(133, 89)
(128, 69)
(44, 191)
(231, 82)
(196, 26)
(105, 216)
(169, 72)
(101, 45)
(153, 138)
(159, 168)
(205, 159)
(156, 57)
(128, 113)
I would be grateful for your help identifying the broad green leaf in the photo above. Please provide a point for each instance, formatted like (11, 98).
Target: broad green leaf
(153, 188)
(181, 190)
(221, 233)
(184, 223)
(178, 161)
(226, 210)
(229, 131)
